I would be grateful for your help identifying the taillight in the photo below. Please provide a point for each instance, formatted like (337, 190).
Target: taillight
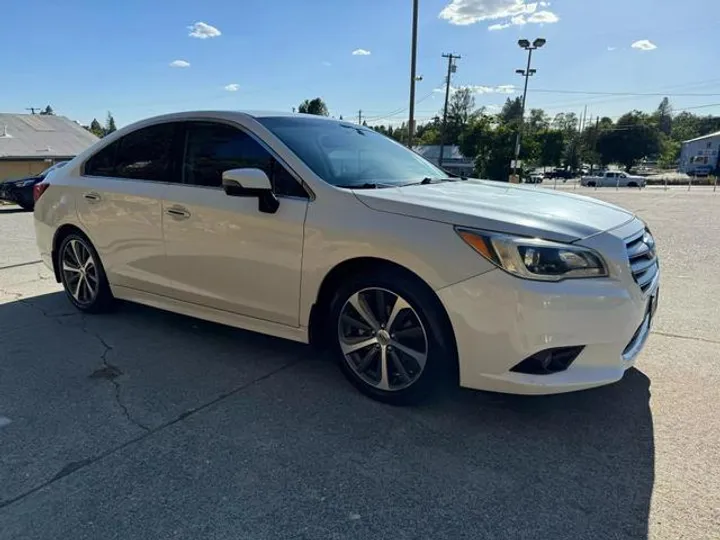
(39, 189)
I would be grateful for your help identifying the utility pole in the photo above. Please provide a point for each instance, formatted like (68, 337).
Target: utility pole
(33, 109)
(527, 73)
(451, 69)
(413, 75)
(360, 117)
(597, 136)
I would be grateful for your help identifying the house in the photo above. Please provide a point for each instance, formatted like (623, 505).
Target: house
(700, 155)
(453, 161)
(30, 143)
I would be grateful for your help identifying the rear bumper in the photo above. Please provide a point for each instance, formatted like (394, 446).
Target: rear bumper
(500, 320)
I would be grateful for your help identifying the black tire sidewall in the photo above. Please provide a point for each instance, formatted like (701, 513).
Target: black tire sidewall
(441, 357)
(104, 297)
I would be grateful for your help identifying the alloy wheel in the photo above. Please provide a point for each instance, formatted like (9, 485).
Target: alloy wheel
(383, 339)
(80, 271)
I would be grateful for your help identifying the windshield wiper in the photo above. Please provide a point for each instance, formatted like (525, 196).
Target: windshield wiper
(366, 185)
(427, 180)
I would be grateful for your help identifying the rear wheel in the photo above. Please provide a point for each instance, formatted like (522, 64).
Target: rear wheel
(391, 337)
(82, 275)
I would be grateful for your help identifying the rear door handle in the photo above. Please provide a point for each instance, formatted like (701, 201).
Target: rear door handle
(177, 212)
(92, 197)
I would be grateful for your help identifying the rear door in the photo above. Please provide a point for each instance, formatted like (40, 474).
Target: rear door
(119, 204)
(222, 251)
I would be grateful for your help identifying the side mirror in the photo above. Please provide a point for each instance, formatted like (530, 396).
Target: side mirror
(251, 182)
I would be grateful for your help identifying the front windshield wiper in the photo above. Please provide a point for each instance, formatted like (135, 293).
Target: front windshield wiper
(427, 180)
(366, 185)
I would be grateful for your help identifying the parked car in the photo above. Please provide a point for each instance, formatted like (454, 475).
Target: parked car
(328, 232)
(560, 174)
(20, 191)
(612, 179)
(534, 179)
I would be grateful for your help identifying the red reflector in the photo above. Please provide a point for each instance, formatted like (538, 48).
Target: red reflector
(39, 189)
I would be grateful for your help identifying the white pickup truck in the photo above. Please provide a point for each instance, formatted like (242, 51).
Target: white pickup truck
(612, 179)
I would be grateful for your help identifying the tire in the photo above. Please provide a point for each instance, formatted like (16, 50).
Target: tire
(415, 340)
(89, 291)
(632, 184)
(591, 184)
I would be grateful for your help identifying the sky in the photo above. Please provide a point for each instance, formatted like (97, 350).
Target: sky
(139, 58)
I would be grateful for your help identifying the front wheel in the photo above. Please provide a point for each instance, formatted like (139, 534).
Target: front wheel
(391, 337)
(82, 275)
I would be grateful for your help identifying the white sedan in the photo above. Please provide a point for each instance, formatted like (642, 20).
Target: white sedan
(324, 231)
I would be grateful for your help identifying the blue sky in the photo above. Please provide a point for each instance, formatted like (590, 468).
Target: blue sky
(86, 57)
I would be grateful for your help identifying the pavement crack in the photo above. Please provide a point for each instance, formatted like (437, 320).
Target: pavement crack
(76, 466)
(680, 336)
(111, 373)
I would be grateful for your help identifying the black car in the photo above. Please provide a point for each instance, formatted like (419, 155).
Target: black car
(20, 191)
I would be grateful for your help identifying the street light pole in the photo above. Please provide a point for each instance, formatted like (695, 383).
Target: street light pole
(413, 75)
(527, 73)
(451, 69)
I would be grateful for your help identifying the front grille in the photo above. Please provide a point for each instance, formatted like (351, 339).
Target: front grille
(642, 257)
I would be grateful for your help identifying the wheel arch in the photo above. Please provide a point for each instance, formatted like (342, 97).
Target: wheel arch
(61, 233)
(321, 305)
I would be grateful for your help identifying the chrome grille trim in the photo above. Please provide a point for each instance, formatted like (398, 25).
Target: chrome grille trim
(644, 264)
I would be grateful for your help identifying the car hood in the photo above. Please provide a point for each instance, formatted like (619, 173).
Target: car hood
(496, 206)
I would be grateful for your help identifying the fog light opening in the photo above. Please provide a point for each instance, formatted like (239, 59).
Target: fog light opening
(549, 361)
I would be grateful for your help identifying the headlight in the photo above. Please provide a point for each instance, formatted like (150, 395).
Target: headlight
(532, 258)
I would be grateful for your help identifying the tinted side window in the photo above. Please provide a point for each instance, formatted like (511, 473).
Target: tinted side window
(145, 154)
(102, 163)
(211, 149)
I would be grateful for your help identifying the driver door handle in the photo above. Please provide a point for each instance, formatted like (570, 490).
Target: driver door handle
(178, 213)
(91, 197)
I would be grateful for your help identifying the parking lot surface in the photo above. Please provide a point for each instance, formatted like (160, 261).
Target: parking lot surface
(145, 424)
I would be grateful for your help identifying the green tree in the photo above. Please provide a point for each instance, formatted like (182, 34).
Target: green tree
(538, 121)
(633, 137)
(48, 111)
(685, 126)
(663, 116)
(511, 112)
(96, 129)
(110, 124)
(314, 106)
(552, 147)
(669, 152)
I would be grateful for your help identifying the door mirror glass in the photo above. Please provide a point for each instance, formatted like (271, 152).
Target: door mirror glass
(248, 179)
(250, 182)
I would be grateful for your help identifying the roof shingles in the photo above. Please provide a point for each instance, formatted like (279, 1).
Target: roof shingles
(27, 136)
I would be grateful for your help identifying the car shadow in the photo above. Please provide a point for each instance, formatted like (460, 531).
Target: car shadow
(578, 465)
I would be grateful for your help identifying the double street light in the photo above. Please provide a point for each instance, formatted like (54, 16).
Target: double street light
(527, 73)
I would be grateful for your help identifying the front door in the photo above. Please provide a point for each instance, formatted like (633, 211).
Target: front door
(222, 251)
(119, 204)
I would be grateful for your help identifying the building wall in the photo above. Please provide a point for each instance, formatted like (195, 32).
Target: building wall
(701, 155)
(14, 169)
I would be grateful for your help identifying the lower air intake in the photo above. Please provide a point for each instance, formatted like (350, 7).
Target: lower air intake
(549, 361)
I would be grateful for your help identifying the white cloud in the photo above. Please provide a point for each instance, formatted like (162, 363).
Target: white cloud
(512, 13)
(480, 89)
(464, 12)
(203, 30)
(611, 48)
(234, 87)
(543, 17)
(326, 63)
(644, 45)
(179, 64)
(361, 52)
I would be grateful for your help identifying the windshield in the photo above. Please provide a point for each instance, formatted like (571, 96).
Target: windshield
(349, 155)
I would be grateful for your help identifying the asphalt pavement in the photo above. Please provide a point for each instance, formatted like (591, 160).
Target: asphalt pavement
(145, 424)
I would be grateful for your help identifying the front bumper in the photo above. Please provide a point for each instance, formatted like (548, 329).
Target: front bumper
(499, 320)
